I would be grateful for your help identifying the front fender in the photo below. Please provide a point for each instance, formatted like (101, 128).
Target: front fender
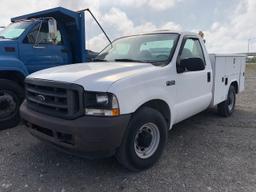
(13, 64)
(135, 91)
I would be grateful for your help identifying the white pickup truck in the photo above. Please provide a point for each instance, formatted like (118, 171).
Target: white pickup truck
(125, 102)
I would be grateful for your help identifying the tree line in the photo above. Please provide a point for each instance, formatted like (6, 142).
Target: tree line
(251, 60)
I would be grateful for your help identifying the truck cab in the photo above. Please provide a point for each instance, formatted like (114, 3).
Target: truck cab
(34, 42)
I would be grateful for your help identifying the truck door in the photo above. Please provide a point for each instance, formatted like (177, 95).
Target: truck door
(194, 88)
(38, 51)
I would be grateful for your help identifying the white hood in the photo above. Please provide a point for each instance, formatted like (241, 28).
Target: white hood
(98, 76)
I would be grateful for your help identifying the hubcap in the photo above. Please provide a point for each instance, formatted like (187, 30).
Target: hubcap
(8, 105)
(231, 101)
(147, 140)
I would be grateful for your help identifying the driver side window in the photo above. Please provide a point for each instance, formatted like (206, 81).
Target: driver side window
(42, 37)
(192, 49)
(191, 57)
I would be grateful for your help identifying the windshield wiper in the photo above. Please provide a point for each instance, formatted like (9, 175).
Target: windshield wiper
(130, 60)
(99, 60)
(2, 37)
(121, 60)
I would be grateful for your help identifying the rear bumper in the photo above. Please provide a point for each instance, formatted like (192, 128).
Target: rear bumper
(86, 136)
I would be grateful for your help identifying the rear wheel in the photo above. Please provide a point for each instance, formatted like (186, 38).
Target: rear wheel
(11, 96)
(144, 141)
(227, 107)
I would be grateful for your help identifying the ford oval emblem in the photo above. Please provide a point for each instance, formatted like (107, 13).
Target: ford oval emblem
(40, 98)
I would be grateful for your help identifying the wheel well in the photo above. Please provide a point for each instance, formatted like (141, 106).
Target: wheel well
(160, 106)
(235, 84)
(13, 76)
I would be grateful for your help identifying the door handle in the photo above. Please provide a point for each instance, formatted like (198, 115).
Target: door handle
(170, 83)
(209, 77)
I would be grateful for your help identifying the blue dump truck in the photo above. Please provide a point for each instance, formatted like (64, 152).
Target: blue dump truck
(34, 42)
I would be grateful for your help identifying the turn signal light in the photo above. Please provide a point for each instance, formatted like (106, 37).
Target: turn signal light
(115, 112)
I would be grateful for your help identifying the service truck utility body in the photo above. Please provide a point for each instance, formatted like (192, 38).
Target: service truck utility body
(227, 68)
(136, 90)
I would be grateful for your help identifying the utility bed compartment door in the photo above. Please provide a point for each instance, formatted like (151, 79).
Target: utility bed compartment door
(220, 87)
(242, 74)
(226, 69)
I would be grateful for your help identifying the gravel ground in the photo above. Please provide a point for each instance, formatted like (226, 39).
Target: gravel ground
(204, 153)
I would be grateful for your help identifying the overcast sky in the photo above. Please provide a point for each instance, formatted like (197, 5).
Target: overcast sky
(228, 24)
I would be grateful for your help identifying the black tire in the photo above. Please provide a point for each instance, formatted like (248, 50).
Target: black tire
(11, 97)
(227, 107)
(126, 153)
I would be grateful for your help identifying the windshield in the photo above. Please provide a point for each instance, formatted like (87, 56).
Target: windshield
(151, 48)
(14, 30)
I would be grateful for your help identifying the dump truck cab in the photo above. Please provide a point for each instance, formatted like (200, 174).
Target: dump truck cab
(34, 42)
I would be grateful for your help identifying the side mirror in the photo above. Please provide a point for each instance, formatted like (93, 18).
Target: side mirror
(191, 64)
(53, 30)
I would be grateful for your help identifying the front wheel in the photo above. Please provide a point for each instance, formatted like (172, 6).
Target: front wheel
(227, 107)
(144, 141)
(11, 96)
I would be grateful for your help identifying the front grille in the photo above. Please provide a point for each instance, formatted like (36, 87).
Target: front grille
(57, 99)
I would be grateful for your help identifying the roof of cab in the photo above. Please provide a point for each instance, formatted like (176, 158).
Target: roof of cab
(48, 12)
(182, 33)
(173, 31)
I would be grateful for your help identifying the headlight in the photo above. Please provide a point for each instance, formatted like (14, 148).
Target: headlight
(101, 104)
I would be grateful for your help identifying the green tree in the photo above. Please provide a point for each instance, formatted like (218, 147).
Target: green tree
(251, 60)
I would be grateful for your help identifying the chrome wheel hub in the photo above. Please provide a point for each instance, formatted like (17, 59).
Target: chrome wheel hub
(147, 140)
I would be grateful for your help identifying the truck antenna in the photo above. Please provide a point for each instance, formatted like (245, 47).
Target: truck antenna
(88, 10)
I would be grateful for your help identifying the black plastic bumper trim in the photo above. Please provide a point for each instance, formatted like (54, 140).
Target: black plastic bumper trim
(86, 134)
